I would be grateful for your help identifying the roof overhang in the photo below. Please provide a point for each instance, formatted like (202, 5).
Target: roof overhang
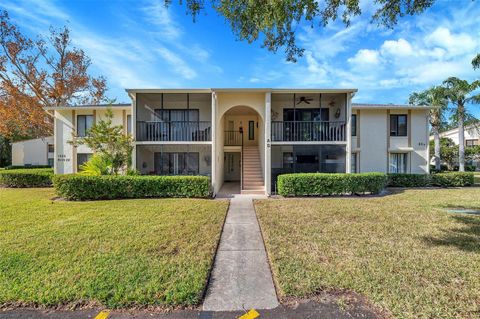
(89, 107)
(241, 90)
(390, 107)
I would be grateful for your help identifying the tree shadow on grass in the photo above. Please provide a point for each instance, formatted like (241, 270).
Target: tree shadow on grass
(466, 238)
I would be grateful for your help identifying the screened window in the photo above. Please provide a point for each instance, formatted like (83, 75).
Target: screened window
(180, 115)
(82, 158)
(51, 148)
(398, 163)
(353, 163)
(84, 123)
(129, 124)
(308, 115)
(398, 125)
(354, 124)
(251, 130)
(182, 163)
(471, 143)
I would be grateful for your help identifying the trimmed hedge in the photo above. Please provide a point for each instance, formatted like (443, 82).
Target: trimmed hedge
(450, 179)
(32, 177)
(315, 184)
(81, 187)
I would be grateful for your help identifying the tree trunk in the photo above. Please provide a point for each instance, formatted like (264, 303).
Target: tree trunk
(436, 141)
(461, 138)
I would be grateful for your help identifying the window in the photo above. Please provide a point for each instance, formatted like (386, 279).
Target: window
(168, 163)
(51, 148)
(129, 124)
(353, 163)
(398, 125)
(308, 115)
(84, 123)
(354, 124)
(179, 115)
(82, 158)
(398, 163)
(50, 162)
(251, 130)
(471, 143)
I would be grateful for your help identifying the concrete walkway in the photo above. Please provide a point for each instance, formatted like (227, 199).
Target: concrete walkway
(241, 277)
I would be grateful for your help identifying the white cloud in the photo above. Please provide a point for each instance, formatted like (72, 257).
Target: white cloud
(158, 15)
(365, 57)
(399, 48)
(179, 66)
(453, 43)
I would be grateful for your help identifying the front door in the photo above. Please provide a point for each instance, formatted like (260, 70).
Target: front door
(232, 167)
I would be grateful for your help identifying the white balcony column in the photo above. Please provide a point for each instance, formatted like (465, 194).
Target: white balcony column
(268, 141)
(213, 177)
(348, 148)
(134, 130)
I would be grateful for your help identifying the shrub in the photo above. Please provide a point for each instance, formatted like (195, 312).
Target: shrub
(452, 179)
(81, 187)
(39, 177)
(409, 180)
(449, 179)
(314, 184)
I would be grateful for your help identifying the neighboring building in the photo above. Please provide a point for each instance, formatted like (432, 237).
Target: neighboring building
(38, 151)
(472, 138)
(251, 136)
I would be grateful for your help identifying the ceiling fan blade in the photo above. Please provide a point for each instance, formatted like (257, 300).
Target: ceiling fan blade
(306, 101)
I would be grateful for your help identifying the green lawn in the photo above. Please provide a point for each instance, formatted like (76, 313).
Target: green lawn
(119, 253)
(403, 251)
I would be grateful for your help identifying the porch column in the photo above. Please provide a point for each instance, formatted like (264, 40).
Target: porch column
(134, 130)
(268, 151)
(213, 177)
(348, 131)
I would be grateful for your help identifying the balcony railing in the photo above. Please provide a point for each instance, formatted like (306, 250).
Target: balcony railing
(303, 131)
(233, 138)
(189, 131)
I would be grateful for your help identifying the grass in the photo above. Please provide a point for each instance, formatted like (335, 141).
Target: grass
(404, 252)
(123, 253)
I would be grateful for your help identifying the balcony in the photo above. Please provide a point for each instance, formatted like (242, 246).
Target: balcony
(233, 138)
(186, 131)
(308, 131)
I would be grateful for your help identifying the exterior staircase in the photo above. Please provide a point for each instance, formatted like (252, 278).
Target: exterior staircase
(252, 172)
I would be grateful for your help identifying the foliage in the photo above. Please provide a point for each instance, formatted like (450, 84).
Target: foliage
(5, 151)
(402, 252)
(27, 167)
(434, 97)
(315, 184)
(476, 62)
(97, 165)
(448, 179)
(449, 153)
(452, 179)
(460, 93)
(39, 73)
(40, 177)
(116, 254)
(276, 21)
(110, 143)
(80, 187)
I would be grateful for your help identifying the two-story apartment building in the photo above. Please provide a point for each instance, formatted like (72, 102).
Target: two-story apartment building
(250, 136)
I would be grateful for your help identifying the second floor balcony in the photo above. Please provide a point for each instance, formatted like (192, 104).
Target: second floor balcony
(186, 131)
(308, 131)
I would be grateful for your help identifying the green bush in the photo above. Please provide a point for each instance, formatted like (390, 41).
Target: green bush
(38, 177)
(449, 179)
(452, 179)
(315, 184)
(409, 180)
(81, 187)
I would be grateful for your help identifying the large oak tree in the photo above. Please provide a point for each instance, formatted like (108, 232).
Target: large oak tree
(276, 21)
(39, 73)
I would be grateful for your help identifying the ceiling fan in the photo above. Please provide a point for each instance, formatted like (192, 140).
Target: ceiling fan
(305, 100)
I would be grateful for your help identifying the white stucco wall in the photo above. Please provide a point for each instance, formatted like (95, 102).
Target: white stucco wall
(31, 152)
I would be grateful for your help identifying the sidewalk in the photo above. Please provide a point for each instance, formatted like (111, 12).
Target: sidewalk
(241, 277)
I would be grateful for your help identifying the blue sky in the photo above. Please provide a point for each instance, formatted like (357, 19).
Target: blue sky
(141, 44)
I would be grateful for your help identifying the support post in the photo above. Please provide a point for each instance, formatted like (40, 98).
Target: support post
(268, 138)
(214, 145)
(348, 131)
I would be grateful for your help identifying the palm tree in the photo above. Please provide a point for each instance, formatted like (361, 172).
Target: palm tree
(434, 97)
(476, 62)
(460, 93)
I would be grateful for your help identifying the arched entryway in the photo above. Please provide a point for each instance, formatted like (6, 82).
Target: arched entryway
(243, 135)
